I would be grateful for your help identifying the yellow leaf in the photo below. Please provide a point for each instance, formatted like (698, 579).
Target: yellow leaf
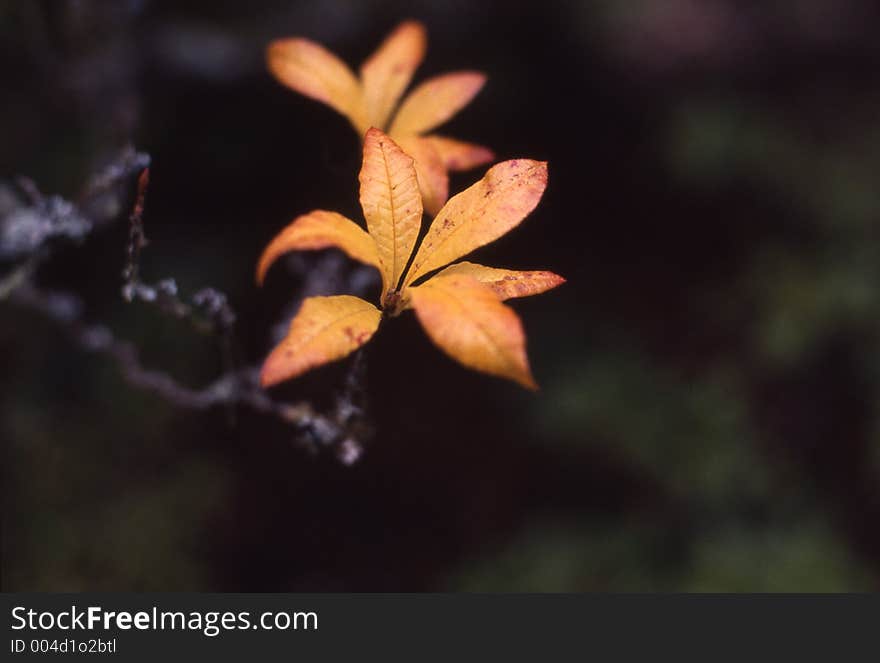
(430, 171)
(320, 230)
(507, 283)
(436, 100)
(464, 318)
(370, 100)
(324, 330)
(481, 214)
(459, 155)
(312, 70)
(389, 70)
(392, 204)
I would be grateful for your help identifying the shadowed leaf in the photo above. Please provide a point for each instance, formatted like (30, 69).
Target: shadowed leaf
(464, 318)
(459, 155)
(430, 171)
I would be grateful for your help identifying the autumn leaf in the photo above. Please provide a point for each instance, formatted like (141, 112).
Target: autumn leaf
(430, 171)
(465, 319)
(435, 101)
(387, 72)
(457, 154)
(373, 100)
(481, 214)
(320, 230)
(391, 203)
(460, 307)
(312, 70)
(325, 329)
(507, 283)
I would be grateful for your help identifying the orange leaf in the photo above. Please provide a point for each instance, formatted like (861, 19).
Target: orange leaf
(431, 173)
(392, 204)
(464, 318)
(481, 214)
(507, 283)
(436, 100)
(458, 155)
(325, 329)
(312, 70)
(320, 230)
(388, 71)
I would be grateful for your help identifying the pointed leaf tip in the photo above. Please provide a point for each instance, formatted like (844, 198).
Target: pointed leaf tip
(437, 100)
(312, 70)
(465, 319)
(507, 283)
(480, 214)
(391, 203)
(387, 72)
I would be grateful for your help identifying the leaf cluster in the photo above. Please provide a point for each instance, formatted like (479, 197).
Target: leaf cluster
(403, 176)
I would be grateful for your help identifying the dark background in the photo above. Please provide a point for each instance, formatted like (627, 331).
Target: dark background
(708, 418)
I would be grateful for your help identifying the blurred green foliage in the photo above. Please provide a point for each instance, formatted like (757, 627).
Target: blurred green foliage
(635, 557)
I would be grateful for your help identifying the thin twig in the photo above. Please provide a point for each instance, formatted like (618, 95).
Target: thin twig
(231, 388)
(28, 233)
(137, 240)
